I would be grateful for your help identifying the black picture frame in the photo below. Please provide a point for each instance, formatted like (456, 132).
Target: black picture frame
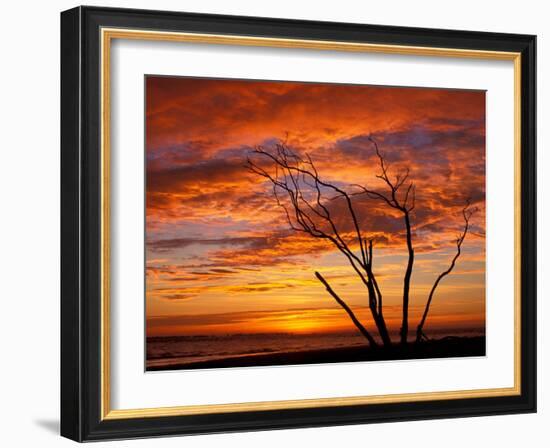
(81, 414)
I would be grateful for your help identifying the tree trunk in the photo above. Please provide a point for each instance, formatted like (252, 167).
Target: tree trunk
(407, 282)
(378, 318)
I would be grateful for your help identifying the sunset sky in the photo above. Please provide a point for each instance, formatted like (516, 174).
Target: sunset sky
(220, 256)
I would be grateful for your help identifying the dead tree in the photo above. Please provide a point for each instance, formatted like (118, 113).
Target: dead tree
(466, 214)
(309, 211)
(402, 200)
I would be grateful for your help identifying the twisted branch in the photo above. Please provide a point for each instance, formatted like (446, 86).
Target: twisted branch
(294, 177)
(466, 214)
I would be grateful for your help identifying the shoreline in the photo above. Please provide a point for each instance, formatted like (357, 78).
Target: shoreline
(451, 347)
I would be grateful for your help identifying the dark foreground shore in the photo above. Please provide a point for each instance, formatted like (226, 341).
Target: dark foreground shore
(449, 347)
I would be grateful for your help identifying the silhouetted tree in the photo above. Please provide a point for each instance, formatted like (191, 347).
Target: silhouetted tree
(308, 205)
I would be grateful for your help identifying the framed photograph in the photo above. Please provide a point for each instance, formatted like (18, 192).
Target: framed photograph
(276, 224)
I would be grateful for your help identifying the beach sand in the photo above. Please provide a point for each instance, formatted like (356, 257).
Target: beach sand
(438, 348)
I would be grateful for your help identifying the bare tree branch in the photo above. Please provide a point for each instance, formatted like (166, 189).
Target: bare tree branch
(466, 214)
(348, 310)
(405, 204)
(298, 179)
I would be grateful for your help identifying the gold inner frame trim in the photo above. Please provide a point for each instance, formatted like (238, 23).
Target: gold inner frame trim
(107, 35)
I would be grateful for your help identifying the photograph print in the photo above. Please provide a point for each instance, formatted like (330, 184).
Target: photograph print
(294, 223)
